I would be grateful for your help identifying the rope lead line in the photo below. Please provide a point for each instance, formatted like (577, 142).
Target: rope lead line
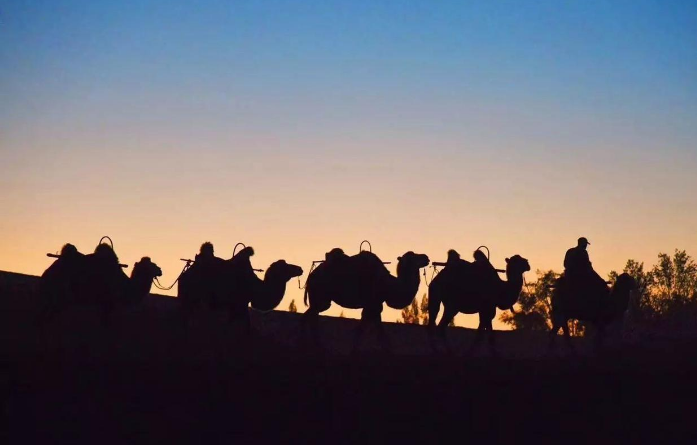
(314, 264)
(157, 284)
(433, 274)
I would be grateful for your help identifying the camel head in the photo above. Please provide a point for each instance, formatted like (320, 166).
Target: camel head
(516, 266)
(275, 279)
(621, 291)
(411, 261)
(146, 269)
(282, 272)
(408, 266)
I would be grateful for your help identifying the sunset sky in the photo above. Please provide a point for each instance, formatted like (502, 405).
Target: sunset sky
(296, 127)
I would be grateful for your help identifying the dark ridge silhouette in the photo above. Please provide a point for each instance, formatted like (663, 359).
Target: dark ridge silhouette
(473, 288)
(232, 284)
(142, 382)
(363, 282)
(600, 308)
(93, 279)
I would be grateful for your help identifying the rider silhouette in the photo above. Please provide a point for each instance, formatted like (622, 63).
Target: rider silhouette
(578, 268)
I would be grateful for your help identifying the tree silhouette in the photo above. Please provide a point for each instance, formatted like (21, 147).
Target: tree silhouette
(674, 280)
(667, 292)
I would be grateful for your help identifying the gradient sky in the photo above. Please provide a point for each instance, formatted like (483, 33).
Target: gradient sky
(296, 127)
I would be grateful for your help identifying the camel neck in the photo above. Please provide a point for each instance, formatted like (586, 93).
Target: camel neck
(274, 286)
(409, 281)
(140, 284)
(515, 280)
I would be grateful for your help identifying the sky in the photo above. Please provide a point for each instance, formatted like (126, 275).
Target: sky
(297, 127)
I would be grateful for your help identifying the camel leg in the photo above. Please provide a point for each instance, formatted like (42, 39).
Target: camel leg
(241, 315)
(599, 337)
(368, 317)
(309, 324)
(484, 323)
(492, 341)
(552, 335)
(567, 337)
(477, 339)
(433, 310)
(432, 331)
(491, 337)
(358, 335)
(48, 313)
(448, 315)
(248, 322)
(385, 342)
(186, 309)
(107, 310)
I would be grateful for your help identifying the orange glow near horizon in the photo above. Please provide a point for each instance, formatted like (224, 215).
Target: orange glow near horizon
(298, 209)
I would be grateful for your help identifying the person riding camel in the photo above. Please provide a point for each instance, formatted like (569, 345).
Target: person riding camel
(578, 268)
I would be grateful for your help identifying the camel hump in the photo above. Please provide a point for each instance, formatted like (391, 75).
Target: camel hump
(104, 252)
(480, 256)
(244, 253)
(336, 254)
(367, 262)
(452, 256)
(69, 251)
(206, 247)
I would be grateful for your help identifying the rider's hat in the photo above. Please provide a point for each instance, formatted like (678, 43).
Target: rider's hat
(583, 240)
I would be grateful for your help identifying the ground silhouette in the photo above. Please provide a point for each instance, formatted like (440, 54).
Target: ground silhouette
(141, 381)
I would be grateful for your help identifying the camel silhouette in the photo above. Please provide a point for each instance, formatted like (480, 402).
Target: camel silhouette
(233, 285)
(94, 279)
(601, 307)
(473, 288)
(363, 282)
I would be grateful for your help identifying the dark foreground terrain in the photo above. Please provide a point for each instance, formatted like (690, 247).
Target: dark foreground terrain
(148, 379)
